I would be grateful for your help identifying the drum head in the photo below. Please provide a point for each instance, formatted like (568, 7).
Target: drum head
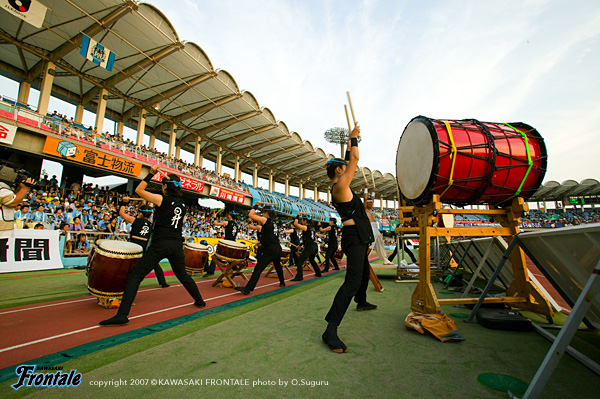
(416, 158)
(118, 246)
(196, 247)
(448, 220)
(233, 244)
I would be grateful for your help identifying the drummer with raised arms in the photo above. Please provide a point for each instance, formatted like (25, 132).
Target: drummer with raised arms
(270, 247)
(310, 247)
(231, 231)
(166, 242)
(357, 235)
(141, 229)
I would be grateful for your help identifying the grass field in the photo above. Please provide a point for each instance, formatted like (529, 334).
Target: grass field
(276, 340)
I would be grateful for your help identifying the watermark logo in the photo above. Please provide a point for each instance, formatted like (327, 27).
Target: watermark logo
(57, 379)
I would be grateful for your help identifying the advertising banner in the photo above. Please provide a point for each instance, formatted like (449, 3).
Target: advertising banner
(90, 157)
(186, 182)
(7, 133)
(27, 250)
(227, 195)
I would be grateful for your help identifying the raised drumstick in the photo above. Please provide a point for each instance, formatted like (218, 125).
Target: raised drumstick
(349, 131)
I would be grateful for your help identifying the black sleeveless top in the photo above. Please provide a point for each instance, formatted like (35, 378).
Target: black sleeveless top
(269, 234)
(308, 236)
(231, 230)
(294, 239)
(169, 216)
(332, 239)
(142, 228)
(355, 209)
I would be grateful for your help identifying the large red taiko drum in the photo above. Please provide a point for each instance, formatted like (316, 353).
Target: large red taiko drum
(108, 266)
(469, 162)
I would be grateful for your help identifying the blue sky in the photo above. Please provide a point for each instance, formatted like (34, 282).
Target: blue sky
(502, 61)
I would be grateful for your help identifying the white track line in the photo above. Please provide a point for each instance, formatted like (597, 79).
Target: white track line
(87, 299)
(134, 317)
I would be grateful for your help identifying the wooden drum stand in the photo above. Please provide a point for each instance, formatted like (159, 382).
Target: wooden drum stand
(520, 292)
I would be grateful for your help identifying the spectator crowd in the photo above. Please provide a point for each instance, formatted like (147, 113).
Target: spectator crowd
(60, 124)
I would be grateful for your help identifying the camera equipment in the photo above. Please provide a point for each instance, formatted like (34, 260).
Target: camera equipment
(12, 174)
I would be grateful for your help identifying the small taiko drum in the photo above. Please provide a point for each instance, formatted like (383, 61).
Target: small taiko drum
(285, 255)
(469, 162)
(195, 257)
(231, 250)
(339, 254)
(108, 266)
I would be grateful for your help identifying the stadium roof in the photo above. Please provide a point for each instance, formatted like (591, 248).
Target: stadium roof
(173, 80)
(555, 191)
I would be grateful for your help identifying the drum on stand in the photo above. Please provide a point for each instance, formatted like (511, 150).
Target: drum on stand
(108, 266)
(285, 255)
(230, 251)
(469, 162)
(195, 257)
(339, 254)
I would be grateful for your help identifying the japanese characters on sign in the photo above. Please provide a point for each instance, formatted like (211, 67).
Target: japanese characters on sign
(186, 182)
(7, 133)
(26, 250)
(227, 195)
(91, 156)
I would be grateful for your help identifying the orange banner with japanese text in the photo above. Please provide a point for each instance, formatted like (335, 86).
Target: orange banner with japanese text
(90, 157)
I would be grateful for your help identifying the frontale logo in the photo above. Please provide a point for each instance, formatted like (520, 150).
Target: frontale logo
(29, 378)
(20, 5)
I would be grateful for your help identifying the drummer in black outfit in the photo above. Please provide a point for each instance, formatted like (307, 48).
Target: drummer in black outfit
(166, 242)
(141, 228)
(270, 248)
(310, 247)
(231, 230)
(294, 245)
(332, 245)
(357, 235)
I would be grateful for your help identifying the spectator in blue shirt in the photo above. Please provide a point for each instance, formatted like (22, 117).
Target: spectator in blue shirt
(82, 246)
(39, 215)
(23, 213)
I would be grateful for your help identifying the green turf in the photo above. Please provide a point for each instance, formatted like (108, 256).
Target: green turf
(279, 339)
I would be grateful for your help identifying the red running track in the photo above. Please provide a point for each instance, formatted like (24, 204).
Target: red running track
(32, 331)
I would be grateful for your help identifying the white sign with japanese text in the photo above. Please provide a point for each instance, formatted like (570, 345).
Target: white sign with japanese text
(30, 249)
(7, 133)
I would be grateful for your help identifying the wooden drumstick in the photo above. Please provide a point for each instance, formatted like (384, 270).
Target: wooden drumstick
(351, 109)
(350, 131)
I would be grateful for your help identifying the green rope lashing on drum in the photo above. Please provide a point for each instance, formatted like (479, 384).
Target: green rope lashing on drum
(529, 163)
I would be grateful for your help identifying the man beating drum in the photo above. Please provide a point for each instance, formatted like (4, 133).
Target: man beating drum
(141, 229)
(166, 242)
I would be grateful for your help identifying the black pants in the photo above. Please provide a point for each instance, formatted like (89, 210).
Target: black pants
(309, 253)
(357, 276)
(330, 255)
(267, 255)
(408, 251)
(160, 275)
(294, 255)
(210, 269)
(158, 249)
